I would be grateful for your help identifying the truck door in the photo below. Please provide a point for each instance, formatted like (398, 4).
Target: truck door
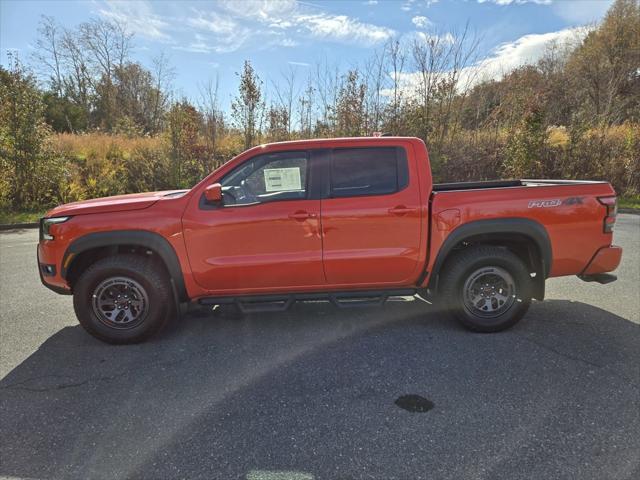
(265, 236)
(371, 220)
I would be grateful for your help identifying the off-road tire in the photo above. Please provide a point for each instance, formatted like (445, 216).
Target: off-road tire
(145, 276)
(479, 262)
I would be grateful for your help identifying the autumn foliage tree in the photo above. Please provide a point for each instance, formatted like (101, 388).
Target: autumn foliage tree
(29, 170)
(605, 67)
(248, 107)
(349, 111)
(183, 122)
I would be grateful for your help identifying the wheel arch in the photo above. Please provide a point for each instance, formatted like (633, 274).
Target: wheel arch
(93, 246)
(525, 237)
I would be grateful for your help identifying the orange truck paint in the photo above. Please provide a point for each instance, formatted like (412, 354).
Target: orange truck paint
(331, 244)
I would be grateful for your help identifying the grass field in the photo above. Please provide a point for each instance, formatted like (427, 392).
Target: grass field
(629, 202)
(9, 217)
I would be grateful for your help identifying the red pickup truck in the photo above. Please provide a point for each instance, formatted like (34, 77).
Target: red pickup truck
(349, 220)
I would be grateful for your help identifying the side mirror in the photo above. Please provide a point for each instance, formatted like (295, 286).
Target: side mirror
(213, 193)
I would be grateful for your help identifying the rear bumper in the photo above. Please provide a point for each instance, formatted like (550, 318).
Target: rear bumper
(606, 259)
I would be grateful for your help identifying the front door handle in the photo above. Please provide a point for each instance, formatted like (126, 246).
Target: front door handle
(301, 215)
(401, 210)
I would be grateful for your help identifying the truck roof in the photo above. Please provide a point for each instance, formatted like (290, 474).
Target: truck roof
(321, 141)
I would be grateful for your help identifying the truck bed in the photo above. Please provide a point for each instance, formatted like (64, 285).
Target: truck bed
(569, 211)
(446, 187)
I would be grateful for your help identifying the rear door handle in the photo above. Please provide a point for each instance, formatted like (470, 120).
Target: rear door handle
(401, 210)
(301, 215)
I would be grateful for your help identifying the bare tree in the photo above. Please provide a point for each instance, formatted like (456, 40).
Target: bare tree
(286, 94)
(78, 82)
(48, 52)
(430, 56)
(457, 80)
(107, 43)
(213, 118)
(440, 59)
(327, 87)
(163, 75)
(396, 59)
(306, 107)
(375, 78)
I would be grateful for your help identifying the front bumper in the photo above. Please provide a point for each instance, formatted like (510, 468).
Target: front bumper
(50, 272)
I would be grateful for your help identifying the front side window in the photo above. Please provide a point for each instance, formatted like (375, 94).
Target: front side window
(368, 171)
(267, 178)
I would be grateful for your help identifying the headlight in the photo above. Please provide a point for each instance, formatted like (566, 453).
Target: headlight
(45, 225)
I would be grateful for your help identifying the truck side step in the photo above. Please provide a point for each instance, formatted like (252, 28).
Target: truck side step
(280, 303)
(368, 299)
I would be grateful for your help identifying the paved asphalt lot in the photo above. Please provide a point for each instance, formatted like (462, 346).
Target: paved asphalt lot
(310, 394)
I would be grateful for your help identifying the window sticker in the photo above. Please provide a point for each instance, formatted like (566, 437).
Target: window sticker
(281, 179)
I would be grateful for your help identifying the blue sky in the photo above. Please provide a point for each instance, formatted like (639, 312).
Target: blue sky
(205, 39)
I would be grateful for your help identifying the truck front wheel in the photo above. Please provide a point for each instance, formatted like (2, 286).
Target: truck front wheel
(123, 299)
(486, 288)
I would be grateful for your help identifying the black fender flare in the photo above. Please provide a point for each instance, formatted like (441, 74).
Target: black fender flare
(525, 227)
(142, 238)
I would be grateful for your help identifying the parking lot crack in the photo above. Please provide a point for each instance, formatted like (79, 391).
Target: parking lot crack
(53, 382)
(48, 383)
(562, 354)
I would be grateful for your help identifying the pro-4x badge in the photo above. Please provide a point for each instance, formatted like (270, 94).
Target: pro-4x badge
(573, 201)
(544, 203)
(555, 203)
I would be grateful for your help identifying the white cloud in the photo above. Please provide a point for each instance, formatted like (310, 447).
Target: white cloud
(525, 50)
(292, 16)
(215, 43)
(228, 25)
(263, 10)
(213, 22)
(279, 39)
(343, 28)
(138, 18)
(299, 64)
(280, 23)
(223, 34)
(503, 59)
(407, 5)
(229, 31)
(421, 21)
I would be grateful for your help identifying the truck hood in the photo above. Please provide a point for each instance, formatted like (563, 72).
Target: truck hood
(118, 203)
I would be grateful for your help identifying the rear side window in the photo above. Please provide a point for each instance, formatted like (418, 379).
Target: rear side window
(368, 171)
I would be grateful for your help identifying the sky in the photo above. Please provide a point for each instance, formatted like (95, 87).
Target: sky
(208, 39)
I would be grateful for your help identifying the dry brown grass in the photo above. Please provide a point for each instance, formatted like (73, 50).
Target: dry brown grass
(97, 145)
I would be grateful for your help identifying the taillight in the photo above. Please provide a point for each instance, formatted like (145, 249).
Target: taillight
(612, 210)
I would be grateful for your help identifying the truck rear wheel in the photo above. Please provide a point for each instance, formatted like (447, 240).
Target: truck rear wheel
(123, 299)
(486, 288)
